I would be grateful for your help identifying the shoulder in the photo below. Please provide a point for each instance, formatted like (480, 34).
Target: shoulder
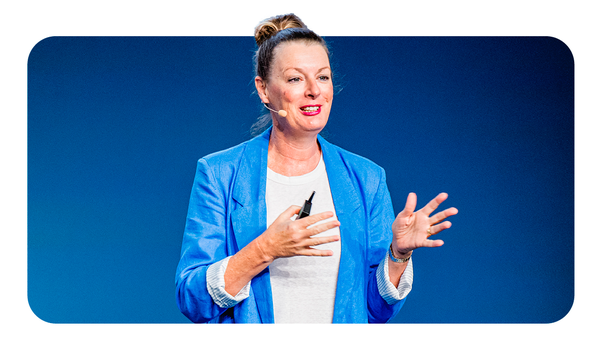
(251, 148)
(229, 155)
(224, 165)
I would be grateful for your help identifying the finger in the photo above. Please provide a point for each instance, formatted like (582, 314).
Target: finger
(314, 252)
(289, 212)
(433, 204)
(322, 240)
(313, 219)
(322, 227)
(432, 243)
(440, 228)
(409, 207)
(442, 215)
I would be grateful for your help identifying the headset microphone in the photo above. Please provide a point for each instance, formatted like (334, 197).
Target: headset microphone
(281, 113)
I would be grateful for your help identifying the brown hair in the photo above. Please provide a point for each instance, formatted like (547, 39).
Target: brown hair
(281, 28)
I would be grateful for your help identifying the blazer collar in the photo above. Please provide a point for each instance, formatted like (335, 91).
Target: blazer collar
(345, 197)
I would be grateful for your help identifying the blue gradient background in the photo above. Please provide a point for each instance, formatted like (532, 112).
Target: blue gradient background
(116, 125)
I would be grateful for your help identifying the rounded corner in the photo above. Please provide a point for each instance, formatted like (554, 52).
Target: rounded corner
(567, 312)
(31, 307)
(564, 45)
(36, 46)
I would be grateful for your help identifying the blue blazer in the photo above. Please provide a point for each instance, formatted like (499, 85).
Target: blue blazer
(227, 211)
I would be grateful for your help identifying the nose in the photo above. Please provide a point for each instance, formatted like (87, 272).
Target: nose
(312, 89)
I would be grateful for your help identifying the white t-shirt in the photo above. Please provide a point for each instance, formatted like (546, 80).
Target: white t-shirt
(303, 287)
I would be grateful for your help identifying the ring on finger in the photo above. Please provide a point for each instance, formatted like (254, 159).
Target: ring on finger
(429, 232)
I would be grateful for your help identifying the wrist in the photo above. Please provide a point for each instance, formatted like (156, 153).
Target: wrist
(398, 252)
(262, 251)
(399, 256)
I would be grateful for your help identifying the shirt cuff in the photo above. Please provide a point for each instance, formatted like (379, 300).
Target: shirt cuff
(386, 288)
(215, 284)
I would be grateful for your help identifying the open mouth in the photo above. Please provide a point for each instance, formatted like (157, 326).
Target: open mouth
(310, 110)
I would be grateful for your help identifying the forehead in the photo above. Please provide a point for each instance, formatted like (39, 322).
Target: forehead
(300, 54)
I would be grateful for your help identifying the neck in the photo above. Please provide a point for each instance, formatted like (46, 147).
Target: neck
(293, 156)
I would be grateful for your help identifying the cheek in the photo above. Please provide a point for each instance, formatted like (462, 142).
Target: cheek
(289, 96)
(328, 93)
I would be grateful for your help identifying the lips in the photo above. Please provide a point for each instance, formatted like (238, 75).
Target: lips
(310, 110)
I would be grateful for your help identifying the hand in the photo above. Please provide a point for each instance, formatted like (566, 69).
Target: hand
(285, 237)
(412, 229)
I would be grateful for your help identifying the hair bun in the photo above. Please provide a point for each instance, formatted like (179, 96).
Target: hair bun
(271, 26)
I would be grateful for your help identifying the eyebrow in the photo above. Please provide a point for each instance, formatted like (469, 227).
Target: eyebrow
(301, 70)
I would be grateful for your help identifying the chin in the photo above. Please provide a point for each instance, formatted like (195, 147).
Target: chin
(315, 127)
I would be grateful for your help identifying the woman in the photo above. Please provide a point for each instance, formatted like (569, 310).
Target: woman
(349, 261)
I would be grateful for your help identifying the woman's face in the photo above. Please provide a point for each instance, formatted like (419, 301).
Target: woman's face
(299, 83)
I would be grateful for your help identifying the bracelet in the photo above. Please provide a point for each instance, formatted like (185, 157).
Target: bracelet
(395, 259)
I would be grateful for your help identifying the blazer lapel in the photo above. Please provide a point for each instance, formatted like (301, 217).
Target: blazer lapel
(346, 201)
(249, 214)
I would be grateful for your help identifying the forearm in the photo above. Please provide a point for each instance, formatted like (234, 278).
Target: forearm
(245, 265)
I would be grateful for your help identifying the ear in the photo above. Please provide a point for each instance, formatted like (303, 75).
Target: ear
(261, 88)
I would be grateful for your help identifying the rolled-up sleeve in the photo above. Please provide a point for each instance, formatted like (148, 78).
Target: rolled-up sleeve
(391, 294)
(215, 284)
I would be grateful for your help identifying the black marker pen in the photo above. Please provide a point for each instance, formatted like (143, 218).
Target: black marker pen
(305, 211)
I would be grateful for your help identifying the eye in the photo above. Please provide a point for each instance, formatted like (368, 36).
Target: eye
(294, 80)
(324, 78)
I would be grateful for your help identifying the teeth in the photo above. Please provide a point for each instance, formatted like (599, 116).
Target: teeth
(310, 108)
